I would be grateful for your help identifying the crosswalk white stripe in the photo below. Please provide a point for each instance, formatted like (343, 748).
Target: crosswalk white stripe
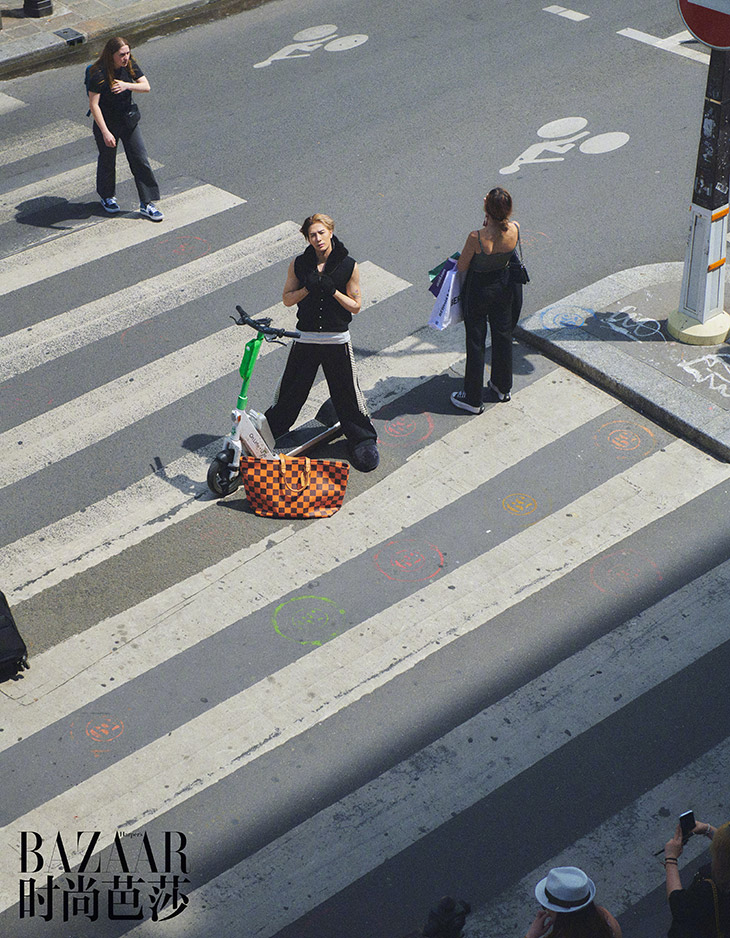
(205, 750)
(44, 341)
(71, 184)
(629, 839)
(102, 530)
(109, 237)
(70, 674)
(374, 823)
(30, 143)
(96, 415)
(8, 103)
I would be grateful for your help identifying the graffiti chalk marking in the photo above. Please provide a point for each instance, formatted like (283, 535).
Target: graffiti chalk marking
(625, 438)
(101, 730)
(559, 137)
(182, 245)
(712, 369)
(409, 562)
(310, 40)
(408, 429)
(623, 570)
(558, 316)
(633, 327)
(308, 620)
(519, 504)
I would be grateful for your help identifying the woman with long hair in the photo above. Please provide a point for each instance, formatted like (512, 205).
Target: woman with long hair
(567, 908)
(487, 302)
(704, 907)
(111, 81)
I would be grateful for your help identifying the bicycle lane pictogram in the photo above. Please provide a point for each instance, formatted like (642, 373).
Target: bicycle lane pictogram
(310, 40)
(559, 137)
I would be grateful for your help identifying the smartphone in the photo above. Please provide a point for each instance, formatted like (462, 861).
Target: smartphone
(687, 825)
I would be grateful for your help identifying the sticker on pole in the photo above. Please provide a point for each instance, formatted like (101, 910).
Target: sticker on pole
(708, 21)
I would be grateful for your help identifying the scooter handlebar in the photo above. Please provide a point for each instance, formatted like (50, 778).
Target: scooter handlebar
(263, 326)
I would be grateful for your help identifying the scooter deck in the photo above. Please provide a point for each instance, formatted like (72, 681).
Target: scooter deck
(305, 437)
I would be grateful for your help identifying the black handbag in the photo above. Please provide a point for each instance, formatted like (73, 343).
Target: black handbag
(517, 270)
(131, 117)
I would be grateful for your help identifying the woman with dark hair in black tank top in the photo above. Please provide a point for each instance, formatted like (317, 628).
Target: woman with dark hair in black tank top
(487, 299)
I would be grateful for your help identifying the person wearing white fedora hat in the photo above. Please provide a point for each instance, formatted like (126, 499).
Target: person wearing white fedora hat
(567, 910)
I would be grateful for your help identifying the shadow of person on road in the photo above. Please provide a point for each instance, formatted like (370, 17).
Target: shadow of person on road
(50, 211)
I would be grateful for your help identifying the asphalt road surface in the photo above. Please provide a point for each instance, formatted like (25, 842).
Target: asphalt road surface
(508, 650)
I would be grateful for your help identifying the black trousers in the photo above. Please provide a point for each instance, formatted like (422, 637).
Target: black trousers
(488, 305)
(134, 148)
(516, 302)
(339, 370)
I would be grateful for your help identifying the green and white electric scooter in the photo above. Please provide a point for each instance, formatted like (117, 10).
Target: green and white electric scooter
(250, 434)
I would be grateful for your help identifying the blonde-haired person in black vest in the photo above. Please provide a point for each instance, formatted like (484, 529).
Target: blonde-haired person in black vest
(324, 284)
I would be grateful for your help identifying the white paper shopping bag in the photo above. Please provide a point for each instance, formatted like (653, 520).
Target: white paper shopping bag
(447, 308)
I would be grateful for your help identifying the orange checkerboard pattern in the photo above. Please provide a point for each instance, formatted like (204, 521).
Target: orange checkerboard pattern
(294, 487)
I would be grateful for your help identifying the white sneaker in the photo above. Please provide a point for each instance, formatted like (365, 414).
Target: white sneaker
(150, 211)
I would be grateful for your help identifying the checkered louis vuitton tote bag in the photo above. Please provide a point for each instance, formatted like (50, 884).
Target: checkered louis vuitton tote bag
(294, 486)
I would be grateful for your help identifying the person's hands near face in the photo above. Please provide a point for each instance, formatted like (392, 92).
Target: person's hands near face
(540, 924)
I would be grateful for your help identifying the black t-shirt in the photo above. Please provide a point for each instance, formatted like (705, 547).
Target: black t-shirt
(693, 909)
(113, 106)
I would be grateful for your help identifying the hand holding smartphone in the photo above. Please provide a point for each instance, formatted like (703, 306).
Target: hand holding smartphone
(687, 825)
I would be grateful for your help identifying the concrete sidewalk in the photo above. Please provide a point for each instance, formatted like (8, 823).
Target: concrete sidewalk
(614, 332)
(35, 42)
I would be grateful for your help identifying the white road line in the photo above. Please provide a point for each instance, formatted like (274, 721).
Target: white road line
(70, 185)
(176, 492)
(94, 416)
(9, 103)
(36, 345)
(71, 674)
(28, 144)
(670, 44)
(108, 237)
(287, 878)
(189, 759)
(623, 866)
(568, 14)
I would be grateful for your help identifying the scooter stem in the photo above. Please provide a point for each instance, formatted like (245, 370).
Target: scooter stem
(248, 361)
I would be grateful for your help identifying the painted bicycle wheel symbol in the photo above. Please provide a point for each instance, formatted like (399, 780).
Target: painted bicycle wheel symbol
(559, 137)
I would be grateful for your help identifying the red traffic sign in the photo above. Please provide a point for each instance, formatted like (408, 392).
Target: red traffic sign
(708, 21)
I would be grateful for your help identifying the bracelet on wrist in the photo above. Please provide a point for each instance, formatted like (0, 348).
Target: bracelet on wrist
(671, 860)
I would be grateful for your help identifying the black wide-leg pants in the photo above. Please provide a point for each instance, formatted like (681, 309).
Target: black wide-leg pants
(338, 365)
(488, 304)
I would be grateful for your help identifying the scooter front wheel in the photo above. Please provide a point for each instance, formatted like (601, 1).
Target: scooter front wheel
(220, 480)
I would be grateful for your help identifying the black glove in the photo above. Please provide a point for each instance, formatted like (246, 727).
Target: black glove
(312, 282)
(327, 285)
